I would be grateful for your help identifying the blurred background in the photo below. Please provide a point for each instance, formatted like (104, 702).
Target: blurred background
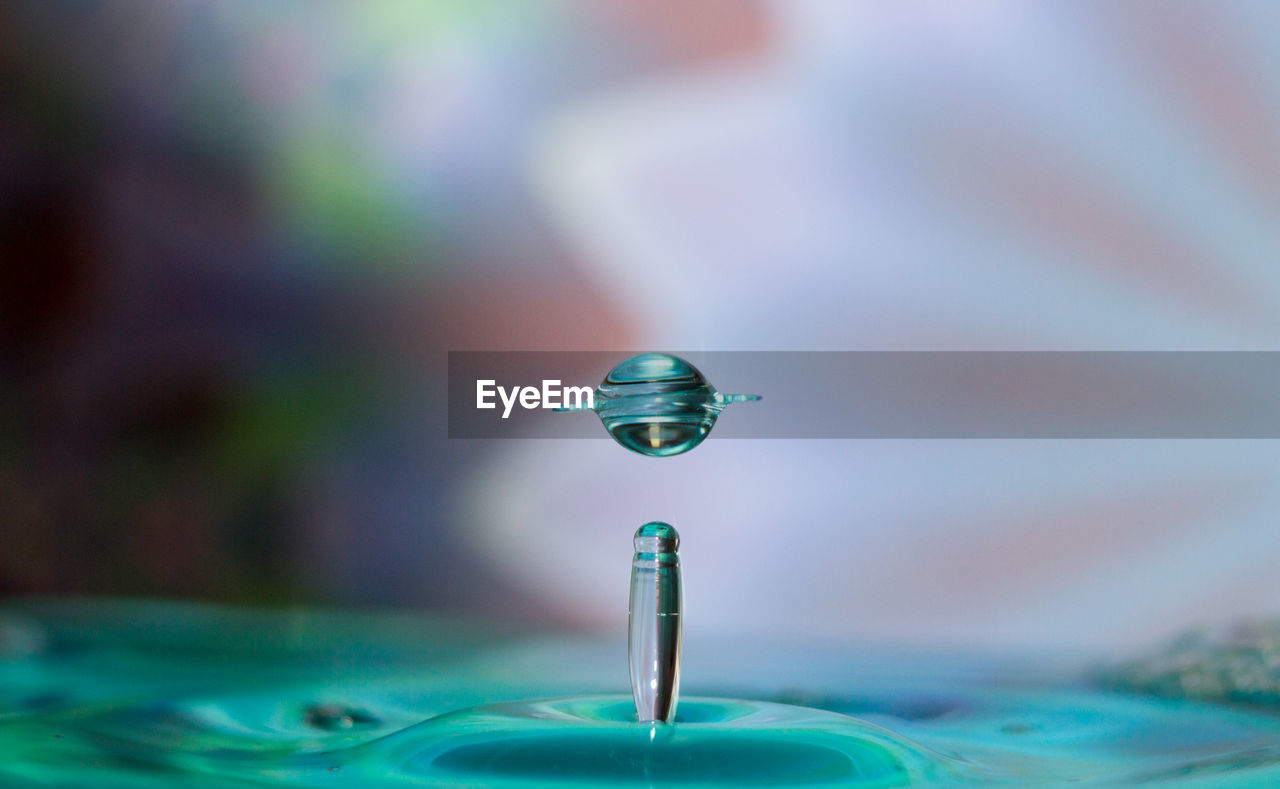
(238, 238)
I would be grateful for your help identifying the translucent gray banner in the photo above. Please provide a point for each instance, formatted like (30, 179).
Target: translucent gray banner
(908, 394)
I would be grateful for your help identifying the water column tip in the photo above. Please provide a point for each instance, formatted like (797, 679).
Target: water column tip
(656, 537)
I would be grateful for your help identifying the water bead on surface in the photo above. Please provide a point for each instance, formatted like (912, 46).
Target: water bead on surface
(659, 405)
(338, 717)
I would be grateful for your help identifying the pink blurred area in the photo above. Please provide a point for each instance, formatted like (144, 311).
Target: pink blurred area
(239, 239)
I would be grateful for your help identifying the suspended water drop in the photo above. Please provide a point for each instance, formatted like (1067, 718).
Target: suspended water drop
(659, 405)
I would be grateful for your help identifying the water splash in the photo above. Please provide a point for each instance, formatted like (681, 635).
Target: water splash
(659, 405)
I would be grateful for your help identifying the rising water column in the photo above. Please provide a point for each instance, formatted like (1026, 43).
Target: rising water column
(654, 622)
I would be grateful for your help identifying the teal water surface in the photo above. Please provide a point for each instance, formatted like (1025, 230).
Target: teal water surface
(126, 694)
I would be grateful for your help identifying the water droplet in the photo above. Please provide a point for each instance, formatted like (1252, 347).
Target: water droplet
(657, 404)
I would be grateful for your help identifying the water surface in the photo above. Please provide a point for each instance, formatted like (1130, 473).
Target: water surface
(122, 694)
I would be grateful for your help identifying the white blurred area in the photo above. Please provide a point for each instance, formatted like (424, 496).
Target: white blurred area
(924, 176)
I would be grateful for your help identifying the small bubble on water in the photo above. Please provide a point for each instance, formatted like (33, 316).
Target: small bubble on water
(338, 717)
(1019, 727)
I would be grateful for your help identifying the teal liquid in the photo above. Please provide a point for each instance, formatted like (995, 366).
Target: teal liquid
(138, 695)
(659, 405)
(596, 740)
